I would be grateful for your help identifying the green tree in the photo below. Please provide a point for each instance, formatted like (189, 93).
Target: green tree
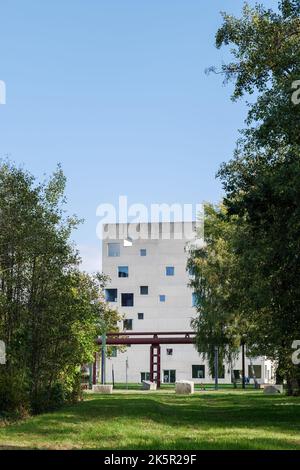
(261, 183)
(49, 311)
(215, 280)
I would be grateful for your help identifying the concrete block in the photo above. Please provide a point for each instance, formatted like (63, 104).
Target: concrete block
(184, 387)
(273, 389)
(104, 389)
(149, 385)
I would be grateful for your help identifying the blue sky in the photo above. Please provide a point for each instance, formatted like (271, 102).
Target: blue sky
(115, 91)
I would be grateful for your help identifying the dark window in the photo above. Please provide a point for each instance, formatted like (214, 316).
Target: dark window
(127, 300)
(127, 324)
(169, 352)
(144, 290)
(123, 271)
(170, 271)
(198, 372)
(140, 316)
(169, 376)
(113, 249)
(143, 252)
(145, 376)
(194, 299)
(254, 371)
(221, 372)
(111, 295)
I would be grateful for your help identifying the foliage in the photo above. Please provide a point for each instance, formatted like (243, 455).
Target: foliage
(213, 270)
(261, 183)
(49, 310)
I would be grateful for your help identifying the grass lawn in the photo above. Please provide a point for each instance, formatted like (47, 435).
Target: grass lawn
(163, 421)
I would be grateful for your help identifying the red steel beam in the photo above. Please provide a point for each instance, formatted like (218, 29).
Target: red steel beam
(153, 333)
(123, 340)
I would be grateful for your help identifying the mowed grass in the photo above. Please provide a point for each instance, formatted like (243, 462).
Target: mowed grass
(163, 421)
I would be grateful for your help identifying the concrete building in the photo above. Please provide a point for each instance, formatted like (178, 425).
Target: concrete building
(146, 264)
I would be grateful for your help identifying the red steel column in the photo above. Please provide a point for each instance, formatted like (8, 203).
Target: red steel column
(155, 364)
(151, 362)
(158, 378)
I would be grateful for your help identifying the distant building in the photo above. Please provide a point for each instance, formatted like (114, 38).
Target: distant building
(149, 285)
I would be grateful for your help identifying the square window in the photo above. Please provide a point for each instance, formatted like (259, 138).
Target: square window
(144, 290)
(162, 298)
(127, 300)
(198, 372)
(170, 271)
(145, 376)
(143, 252)
(127, 324)
(123, 271)
(140, 316)
(113, 249)
(169, 376)
(169, 352)
(111, 295)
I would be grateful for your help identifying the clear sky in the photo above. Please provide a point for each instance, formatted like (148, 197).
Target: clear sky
(116, 91)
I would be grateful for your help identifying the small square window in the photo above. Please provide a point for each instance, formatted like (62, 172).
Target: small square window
(111, 295)
(162, 298)
(140, 316)
(170, 271)
(198, 372)
(127, 324)
(123, 271)
(145, 376)
(169, 352)
(143, 252)
(114, 249)
(127, 300)
(144, 290)
(169, 376)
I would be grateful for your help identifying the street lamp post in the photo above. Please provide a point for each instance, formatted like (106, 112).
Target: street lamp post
(103, 360)
(216, 368)
(127, 373)
(243, 366)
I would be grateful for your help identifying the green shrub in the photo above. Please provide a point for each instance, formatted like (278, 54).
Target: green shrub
(14, 397)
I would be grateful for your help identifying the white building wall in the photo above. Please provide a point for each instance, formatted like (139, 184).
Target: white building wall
(173, 315)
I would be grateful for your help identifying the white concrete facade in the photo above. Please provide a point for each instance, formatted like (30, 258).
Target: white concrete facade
(161, 268)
